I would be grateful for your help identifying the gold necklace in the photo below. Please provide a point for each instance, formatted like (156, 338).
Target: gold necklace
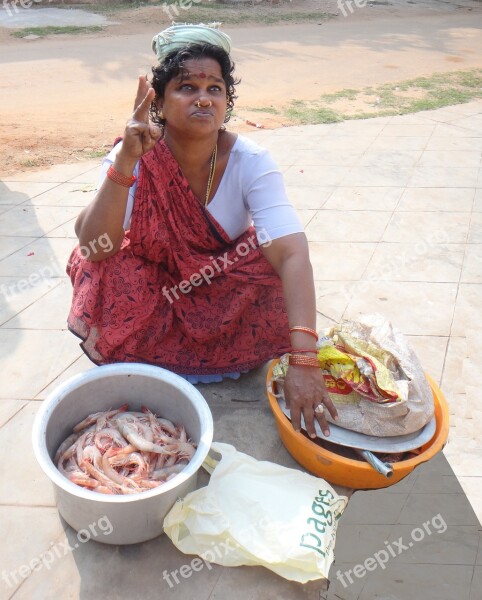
(212, 171)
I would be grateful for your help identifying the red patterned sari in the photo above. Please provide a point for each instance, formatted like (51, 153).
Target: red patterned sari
(228, 315)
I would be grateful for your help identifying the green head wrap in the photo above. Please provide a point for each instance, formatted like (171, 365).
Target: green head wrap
(179, 35)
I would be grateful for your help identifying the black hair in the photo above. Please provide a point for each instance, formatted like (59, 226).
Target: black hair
(173, 65)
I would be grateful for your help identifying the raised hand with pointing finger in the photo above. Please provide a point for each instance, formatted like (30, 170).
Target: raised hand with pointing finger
(140, 135)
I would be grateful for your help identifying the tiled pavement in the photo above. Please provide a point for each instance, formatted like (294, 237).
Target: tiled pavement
(393, 212)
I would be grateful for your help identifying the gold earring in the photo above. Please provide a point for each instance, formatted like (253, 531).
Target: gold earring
(161, 115)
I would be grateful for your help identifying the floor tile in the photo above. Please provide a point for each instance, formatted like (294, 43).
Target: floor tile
(388, 142)
(434, 542)
(364, 198)
(422, 507)
(260, 584)
(9, 245)
(348, 225)
(46, 257)
(475, 231)
(65, 194)
(332, 298)
(422, 261)
(467, 308)
(341, 587)
(48, 312)
(310, 197)
(394, 157)
(351, 260)
(374, 507)
(407, 130)
(13, 192)
(360, 127)
(31, 359)
(478, 200)
(356, 541)
(448, 130)
(471, 122)
(20, 544)
(414, 308)
(447, 158)
(18, 293)
(472, 487)
(328, 157)
(248, 426)
(437, 199)
(476, 584)
(421, 118)
(452, 378)
(435, 483)
(465, 457)
(36, 220)
(432, 582)
(378, 176)
(443, 177)
(66, 231)
(55, 174)
(306, 216)
(19, 477)
(4, 208)
(322, 175)
(430, 350)
(95, 570)
(438, 227)
(449, 142)
(439, 464)
(344, 142)
(80, 365)
(9, 408)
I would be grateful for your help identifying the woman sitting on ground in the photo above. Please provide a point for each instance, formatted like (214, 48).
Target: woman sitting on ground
(187, 282)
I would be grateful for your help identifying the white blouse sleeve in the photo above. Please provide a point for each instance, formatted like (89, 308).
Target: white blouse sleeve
(265, 196)
(107, 162)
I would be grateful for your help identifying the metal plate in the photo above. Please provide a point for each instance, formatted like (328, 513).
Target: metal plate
(353, 439)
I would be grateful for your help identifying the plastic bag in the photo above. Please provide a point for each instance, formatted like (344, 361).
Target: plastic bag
(259, 513)
(373, 377)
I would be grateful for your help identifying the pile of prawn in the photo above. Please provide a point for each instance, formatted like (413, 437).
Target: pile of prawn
(121, 452)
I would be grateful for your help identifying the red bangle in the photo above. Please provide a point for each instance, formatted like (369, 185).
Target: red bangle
(303, 361)
(119, 178)
(305, 330)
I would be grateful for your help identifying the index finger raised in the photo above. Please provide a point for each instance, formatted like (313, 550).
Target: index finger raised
(141, 113)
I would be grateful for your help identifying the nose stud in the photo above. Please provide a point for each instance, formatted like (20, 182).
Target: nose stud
(199, 105)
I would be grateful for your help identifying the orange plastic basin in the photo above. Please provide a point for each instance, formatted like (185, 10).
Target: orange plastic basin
(351, 473)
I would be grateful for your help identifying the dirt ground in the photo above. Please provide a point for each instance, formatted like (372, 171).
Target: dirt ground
(65, 98)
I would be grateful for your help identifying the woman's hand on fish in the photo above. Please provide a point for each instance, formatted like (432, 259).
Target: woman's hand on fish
(304, 391)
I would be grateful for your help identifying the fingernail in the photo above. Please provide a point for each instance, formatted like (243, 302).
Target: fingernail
(298, 430)
(326, 432)
(337, 418)
(312, 435)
